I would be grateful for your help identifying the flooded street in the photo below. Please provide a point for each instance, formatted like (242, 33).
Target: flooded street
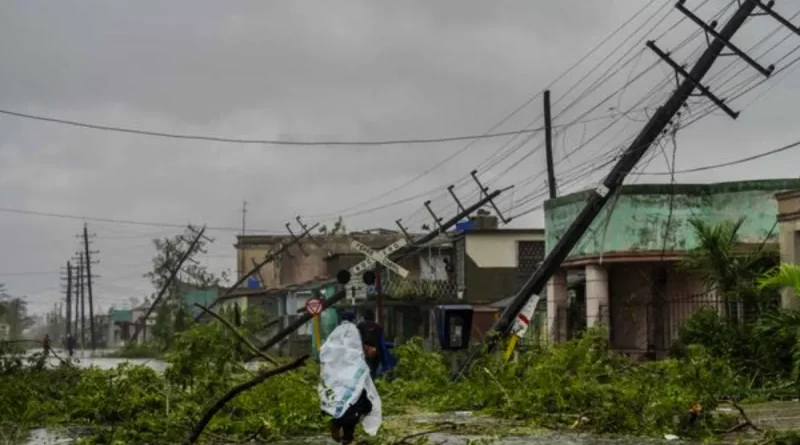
(87, 359)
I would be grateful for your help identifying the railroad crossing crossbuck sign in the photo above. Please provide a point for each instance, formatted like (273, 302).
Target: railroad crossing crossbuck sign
(381, 257)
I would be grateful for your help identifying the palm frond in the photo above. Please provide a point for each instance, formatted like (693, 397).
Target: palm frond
(786, 275)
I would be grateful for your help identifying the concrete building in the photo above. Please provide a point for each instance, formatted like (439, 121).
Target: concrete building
(120, 327)
(629, 256)
(491, 264)
(321, 257)
(789, 236)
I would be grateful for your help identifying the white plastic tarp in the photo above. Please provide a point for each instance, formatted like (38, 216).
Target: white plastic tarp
(345, 375)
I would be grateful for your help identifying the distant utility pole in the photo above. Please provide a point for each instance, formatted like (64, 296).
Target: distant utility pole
(87, 254)
(241, 239)
(69, 298)
(655, 127)
(548, 139)
(81, 296)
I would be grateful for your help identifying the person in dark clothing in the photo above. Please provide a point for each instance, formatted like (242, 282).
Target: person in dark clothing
(70, 345)
(46, 344)
(372, 338)
(343, 429)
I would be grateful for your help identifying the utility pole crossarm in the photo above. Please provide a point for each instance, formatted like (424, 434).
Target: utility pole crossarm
(258, 266)
(613, 181)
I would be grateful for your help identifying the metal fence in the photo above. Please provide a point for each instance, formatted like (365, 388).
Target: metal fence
(659, 321)
(407, 289)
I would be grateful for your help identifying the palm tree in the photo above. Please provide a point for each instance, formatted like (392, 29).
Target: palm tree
(723, 265)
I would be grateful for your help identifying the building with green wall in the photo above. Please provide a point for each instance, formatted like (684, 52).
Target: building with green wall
(630, 253)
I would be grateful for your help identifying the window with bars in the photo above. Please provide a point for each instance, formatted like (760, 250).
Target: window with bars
(529, 255)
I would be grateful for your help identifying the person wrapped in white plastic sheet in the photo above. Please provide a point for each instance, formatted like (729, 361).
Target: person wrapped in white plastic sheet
(346, 391)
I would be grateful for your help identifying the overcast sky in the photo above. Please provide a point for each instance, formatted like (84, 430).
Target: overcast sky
(337, 71)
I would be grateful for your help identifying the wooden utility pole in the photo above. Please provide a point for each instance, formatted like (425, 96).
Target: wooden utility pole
(241, 239)
(378, 295)
(81, 296)
(168, 282)
(613, 181)
(88, 256)
(548, 140)
(69, 298)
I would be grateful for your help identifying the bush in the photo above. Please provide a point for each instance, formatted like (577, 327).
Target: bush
(580, 383)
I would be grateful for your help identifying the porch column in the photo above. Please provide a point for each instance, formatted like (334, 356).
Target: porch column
(557, 305)
(789, 250)
(789, 239)
(596, 295)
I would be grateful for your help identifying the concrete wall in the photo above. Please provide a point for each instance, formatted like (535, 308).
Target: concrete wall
(640, 214)
(490, 266)
(789, 236)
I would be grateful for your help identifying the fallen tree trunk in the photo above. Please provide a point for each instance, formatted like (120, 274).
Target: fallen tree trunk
(238, 389)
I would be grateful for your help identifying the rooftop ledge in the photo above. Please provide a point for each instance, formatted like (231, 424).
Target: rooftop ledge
(771, 185)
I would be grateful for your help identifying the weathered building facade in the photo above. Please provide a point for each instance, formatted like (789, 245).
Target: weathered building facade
(629, 256)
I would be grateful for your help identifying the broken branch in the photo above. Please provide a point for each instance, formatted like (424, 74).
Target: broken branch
(238, 334)
(238, 389)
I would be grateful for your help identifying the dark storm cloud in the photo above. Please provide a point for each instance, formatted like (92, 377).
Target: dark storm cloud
(344, 70)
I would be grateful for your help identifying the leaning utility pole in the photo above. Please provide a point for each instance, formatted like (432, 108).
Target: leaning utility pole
(654, 127)
(258, 266)
(88, 256)
(168, 282)
(413, 246)
(548, 140)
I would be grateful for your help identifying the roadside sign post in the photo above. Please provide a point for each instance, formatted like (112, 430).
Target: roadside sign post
(314, 308)
(521, 325)
(377, 259)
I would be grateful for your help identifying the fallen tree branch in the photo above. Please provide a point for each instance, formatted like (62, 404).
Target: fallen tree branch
(238, 334)
(746, 423)
(238, 389)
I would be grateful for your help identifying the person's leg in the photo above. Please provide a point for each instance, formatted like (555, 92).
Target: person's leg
(349, 431)
(336, 430)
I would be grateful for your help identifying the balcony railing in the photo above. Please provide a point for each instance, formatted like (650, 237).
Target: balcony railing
(412, 289)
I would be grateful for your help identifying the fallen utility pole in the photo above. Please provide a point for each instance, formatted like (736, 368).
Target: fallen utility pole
(654, 127)
(442, 228)
(409, 249)
(258, 266)
(165, 286)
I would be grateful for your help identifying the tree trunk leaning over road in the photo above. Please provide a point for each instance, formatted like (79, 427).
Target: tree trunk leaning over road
(235, 391)
(238, 334)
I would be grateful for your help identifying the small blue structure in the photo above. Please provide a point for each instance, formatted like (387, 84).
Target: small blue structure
(253, 283)
(454, 325)
(463, 226)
